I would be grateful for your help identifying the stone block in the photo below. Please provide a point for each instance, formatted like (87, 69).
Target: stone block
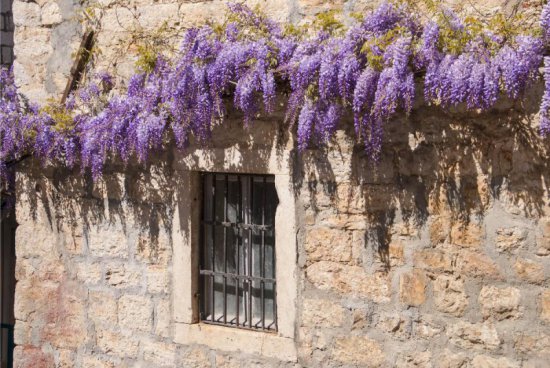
(412, 288)
(121, 276)
(499, 303)
(485, 361)
(26, 14)
(157, 279)
(545, 305)
(449, 359)
(477, 336)
(108, 241)
(155, 250)
(533, 344)
(328, 245)
(416, 359)
(440, 227)
(51, 14)
(195, 358)
(433, 260)
(449, 295)
(530, 271)
(510, 239)
(163, 318)
(117, 344)
(360, 351)
(135, 312)
(27, 356)
(102, 307)
(322, 313)
(426, 329)
(89, 273)
(93, 361)
(467, 235)
(478, 265)
(159, 353)
(65, 359)
(350, 280)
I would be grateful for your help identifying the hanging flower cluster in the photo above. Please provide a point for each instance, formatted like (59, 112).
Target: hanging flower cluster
(368, 71)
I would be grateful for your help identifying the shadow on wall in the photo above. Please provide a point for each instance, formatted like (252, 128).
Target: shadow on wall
(137, 200)
(436, 167)
(439, 168)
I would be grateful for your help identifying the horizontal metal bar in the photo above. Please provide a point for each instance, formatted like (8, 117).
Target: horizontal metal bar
(235, 276)
(238, 225)
(242, 327)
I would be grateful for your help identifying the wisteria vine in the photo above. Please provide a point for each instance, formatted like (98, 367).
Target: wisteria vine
(368, 71)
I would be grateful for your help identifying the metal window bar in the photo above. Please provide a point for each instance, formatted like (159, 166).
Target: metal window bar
(236, 290)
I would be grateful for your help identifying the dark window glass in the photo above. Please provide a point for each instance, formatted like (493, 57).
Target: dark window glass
(237, 267)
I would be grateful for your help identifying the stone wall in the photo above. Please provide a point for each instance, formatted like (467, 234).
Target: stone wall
(48, 32)
(438, 256)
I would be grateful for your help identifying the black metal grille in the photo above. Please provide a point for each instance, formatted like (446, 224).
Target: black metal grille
(237, 258)
(6, 33)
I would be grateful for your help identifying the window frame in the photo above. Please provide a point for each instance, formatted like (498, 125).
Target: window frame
(185, 230)
(245, 225)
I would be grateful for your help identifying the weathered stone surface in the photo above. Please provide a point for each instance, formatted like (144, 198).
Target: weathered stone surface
(453, 360)
(64, 320)
(122, 277)
(485, 361)
(157, 279)
(499, 303)
(449, 295)
(114, 343)
(108, 242)
(351, 280)
(478, 264)
(163, 318)
(88, 272)
(31, 356)
(102, 307)
(474, 336)
(529, 271)
(427, 329)
(412, 288)
(545, 305)
(397, 325)
(26, 14)
(51, 14)
(533, 344)
(359, 351)
(433, 260)
(510, 239)
(195, 358)
(323, 313)
(159, 353)
(328, 245)
(135, 312)
(89, 361)
(416, 359)
(467, 235)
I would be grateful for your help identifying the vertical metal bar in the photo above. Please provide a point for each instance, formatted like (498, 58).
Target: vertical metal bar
(262, 254)
(225, 249)
(250, 219)
(239, 239)
(213, 278)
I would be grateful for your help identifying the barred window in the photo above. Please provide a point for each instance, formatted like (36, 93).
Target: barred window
(237, 257)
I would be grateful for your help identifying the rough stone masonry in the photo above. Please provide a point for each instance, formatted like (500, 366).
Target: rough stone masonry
(438, 256)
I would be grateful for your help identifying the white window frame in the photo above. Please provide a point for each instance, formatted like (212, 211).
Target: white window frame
(185, 239)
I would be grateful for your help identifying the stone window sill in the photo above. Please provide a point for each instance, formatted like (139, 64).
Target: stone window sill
(233, 339)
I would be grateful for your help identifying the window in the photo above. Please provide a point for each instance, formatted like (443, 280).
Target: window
(237, 257)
